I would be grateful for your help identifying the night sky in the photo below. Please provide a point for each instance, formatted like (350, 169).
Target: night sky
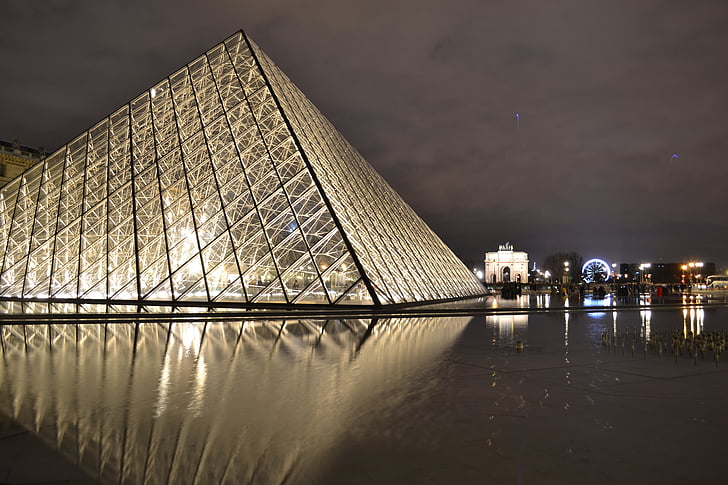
(607, 91)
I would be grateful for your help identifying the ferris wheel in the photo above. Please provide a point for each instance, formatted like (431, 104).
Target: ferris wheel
(595, 271)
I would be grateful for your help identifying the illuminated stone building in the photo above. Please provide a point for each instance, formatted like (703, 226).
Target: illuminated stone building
(15, 159)
(506, 265)
(221, 183)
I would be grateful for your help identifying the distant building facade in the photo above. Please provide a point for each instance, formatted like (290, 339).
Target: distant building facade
(15, 158)
(506, 265)
(686, 273)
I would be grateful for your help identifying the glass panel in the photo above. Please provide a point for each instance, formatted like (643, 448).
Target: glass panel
(314, 293)
(219, 262)
(65, 267)
(228, 167)
(225, 76)
(185, 104)
(163, 118)
(273, 293)
(188, 280)
(356, 295)
(340, 277)
(260, 275)
(208, 98)
(251, 252)
(233, 293)
(163, 292)
(245, 65)
(212, 227)
(222, 269)
(182, 243)
(237, 200)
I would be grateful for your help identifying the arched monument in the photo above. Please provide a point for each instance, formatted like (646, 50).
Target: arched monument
(506, 265)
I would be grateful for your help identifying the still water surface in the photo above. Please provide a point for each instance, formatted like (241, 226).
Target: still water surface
(392, 400)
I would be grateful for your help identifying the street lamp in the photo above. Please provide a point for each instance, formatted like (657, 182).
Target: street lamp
(566, 272)
(643, 267)
(690, 267)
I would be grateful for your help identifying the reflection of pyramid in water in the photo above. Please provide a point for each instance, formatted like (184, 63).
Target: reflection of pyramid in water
(215, 402)
(220, 183)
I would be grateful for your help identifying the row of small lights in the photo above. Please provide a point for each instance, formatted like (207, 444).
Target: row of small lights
(642, 267)
(691, 266)
(684, 267)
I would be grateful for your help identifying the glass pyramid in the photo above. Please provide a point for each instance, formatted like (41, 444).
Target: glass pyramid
(220, 183)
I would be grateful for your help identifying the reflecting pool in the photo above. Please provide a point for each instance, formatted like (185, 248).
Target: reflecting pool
(502, 398)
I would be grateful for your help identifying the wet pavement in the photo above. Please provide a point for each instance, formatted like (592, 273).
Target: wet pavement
(555, 413)
(414, 400)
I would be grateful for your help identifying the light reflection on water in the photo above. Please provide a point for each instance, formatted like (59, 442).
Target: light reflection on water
(509, 328)
(209, 402)
(273, 401)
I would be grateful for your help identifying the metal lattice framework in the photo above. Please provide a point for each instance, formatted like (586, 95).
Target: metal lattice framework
(220, 183)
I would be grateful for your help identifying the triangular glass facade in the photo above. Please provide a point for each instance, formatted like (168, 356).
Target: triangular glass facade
(220, 183)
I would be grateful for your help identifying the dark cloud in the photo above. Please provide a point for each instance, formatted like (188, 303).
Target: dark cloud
(427, 91)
